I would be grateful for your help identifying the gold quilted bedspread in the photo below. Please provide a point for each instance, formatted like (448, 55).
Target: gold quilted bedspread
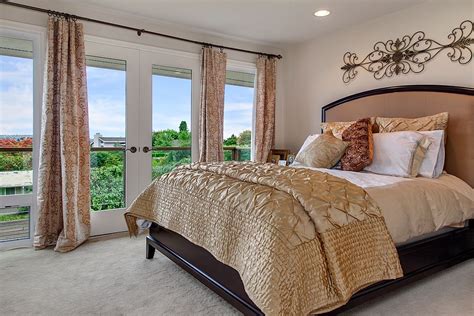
(302, 241)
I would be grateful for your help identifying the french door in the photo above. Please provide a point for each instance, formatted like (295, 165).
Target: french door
(143, 122)
(141, 118)
(114, 110)
(168, 125)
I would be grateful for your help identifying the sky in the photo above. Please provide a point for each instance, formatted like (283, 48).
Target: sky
(238, 108)
(172, 104)
(16, 96)
(106, 95)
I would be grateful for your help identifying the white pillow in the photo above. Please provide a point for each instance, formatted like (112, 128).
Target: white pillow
(398, 153)
(433, 164)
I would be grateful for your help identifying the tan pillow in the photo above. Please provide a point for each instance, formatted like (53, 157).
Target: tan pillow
(427, 123)
(419, 156)
(323, 152)
(337, 128)
(360, 150)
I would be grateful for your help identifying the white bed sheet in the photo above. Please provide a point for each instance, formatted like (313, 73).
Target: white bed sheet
(413, 207)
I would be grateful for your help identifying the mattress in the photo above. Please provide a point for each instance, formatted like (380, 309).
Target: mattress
(414, 207)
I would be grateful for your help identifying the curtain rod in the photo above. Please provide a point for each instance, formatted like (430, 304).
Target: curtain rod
(139, 31)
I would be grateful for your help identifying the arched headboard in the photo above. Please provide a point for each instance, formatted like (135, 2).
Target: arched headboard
(416, 101)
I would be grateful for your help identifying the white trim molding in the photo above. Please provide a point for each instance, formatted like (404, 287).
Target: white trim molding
(37, 35)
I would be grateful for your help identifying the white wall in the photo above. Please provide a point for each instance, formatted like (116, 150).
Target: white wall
(78, 8)
(312, 69)
(309, 75)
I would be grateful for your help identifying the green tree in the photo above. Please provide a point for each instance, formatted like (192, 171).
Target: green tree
(107, 187)
(230, 141)
(244, 139)
(164, 138)
(106, 159)
(184, 139)
(165, 161)
(107, 168)
(183, 126)
(184, 136)
(15, 161)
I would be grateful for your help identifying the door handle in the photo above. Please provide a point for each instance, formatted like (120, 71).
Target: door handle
(132, 149)
(146, 149)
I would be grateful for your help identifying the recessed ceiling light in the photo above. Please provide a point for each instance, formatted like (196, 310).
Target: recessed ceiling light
(321, 13)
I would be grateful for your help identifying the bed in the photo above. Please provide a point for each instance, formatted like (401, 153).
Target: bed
(421, 252)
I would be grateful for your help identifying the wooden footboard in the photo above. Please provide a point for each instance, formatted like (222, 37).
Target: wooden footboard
(196, 260)
(418, 259)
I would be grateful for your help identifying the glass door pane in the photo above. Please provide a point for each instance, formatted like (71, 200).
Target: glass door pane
(106, 82)
(112, 90)
(171, 118)
(238, 115)
(16, 138)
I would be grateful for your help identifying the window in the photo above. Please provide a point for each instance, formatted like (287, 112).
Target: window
(14, 223)
(16, 136)
(106, 90)
(127, 108)
(238, 113)
(171, 115)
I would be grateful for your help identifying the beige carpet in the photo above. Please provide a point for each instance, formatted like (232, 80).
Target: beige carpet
(112, 277)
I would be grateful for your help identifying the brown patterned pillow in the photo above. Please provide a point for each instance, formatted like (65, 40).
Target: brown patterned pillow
(337, 128)
(427, 123)
(323, 152)
(360, 152)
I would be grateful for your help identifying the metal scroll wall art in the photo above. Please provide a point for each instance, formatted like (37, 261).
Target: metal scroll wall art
(410, 54)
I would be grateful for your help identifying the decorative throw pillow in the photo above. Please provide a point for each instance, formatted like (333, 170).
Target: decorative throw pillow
(427, 123)
(308, 141)
(323, 152)
(360, 151)
(337, 128)
(398, 154)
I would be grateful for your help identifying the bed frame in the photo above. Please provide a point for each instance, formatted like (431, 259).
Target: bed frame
(418, 259)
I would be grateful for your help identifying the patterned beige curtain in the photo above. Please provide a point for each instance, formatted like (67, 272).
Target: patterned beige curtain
(63, 182)
(211, 117)
(265, 107)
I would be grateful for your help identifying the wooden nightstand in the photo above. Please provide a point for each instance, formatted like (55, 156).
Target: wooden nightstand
(276, 155)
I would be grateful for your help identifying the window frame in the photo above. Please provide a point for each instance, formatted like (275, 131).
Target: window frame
(38, 37)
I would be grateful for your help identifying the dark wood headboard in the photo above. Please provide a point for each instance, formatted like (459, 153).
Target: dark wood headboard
(416, 101)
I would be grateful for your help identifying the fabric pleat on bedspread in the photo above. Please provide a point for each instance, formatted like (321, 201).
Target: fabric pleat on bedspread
(302, 241)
